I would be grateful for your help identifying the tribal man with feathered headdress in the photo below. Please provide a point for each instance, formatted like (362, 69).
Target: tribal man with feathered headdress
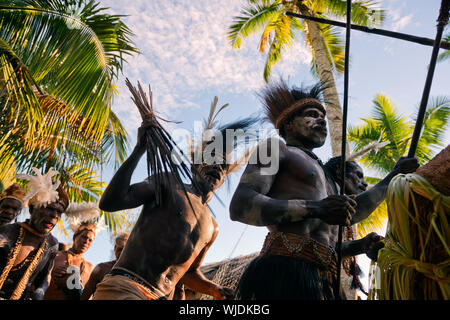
(27, 249)
(299, 203)
(175, 228)
(11, 203)
(71, 271)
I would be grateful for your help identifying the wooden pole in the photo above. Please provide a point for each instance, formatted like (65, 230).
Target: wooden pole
(382, 32)
(442, 22)
(344, 141)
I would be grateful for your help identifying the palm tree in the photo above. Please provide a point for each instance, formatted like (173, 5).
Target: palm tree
(279, 31)
(58, 63)
(446, 54)
(386, 124)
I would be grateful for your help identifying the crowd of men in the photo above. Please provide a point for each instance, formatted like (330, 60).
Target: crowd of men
(300, 205)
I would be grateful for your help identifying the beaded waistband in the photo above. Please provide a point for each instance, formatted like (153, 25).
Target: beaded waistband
(302, 248)
(133, 277)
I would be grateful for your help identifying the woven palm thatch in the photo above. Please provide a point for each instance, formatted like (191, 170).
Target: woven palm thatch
(415, 263)
(225, 273)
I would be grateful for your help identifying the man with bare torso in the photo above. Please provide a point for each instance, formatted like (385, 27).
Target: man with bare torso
(11, 203)
(27, 249)
(299, 204)
(66, 284)
(104, 268)
(169, 241)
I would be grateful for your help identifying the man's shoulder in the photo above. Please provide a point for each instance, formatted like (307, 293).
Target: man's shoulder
(9, 231)
(9, 227)
(104, 266)
(52, 241)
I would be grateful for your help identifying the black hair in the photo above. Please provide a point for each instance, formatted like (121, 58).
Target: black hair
(333, 166)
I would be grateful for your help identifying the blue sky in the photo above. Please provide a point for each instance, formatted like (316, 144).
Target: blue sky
(187, 60)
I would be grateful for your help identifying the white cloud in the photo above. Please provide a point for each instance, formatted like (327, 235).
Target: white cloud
(402, 22)
(185, 51)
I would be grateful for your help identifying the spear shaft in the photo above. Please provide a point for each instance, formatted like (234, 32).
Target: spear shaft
(442, 22)
(344, 141)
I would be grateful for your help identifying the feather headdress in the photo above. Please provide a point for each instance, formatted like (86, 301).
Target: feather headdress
(213, 132)
(280, 102)
(83, 216)
(15, 191)
(42, 190)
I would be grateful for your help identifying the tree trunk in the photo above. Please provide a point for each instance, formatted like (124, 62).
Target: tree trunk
(330, 94)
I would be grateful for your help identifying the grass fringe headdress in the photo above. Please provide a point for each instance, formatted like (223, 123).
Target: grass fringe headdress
(280, 103)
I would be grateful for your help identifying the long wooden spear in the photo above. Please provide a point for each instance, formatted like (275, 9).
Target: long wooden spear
(441, 23)
(344, 142)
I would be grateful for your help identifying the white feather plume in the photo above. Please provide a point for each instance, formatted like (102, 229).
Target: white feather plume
(374, 145)
(77, 213)
(41, 189)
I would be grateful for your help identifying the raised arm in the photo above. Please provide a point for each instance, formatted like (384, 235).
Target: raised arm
(369, 200)
(251, 205)
(119, 194)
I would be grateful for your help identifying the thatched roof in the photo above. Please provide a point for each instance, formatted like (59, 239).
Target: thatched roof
(225, 273)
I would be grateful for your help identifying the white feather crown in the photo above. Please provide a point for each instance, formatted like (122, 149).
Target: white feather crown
(41, 189)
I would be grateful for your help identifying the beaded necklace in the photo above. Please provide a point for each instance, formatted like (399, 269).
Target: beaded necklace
(13, 253)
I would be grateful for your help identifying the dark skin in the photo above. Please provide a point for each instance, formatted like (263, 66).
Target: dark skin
(176, 238)
(9, 210)
(42, 221)
(355, 184)
(101, 270)
(81, 243)
(298, 199)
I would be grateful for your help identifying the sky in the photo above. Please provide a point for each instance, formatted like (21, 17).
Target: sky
(187, 60)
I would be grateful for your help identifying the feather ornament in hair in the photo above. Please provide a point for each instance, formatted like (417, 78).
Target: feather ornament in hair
(83, 211)
(374, 145)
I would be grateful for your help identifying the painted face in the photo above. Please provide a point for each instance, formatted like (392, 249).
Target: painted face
(309, 127)
(44, 219)
(83, 241)
(9, 210)
(118, 248)
(354, 179)
(211, 176)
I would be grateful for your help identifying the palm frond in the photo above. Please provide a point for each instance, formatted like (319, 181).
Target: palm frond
(252, 18)
(435, 124)
(283, 38)
(374, 223)
(65, 57)
(365, 13)
(446, 54)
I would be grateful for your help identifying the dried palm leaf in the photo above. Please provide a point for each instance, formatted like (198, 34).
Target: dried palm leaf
(160, 147)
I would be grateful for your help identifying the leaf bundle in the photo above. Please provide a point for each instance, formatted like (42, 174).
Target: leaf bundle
(160, 146)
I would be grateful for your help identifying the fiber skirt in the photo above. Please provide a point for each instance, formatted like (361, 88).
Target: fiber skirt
(273, 277)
